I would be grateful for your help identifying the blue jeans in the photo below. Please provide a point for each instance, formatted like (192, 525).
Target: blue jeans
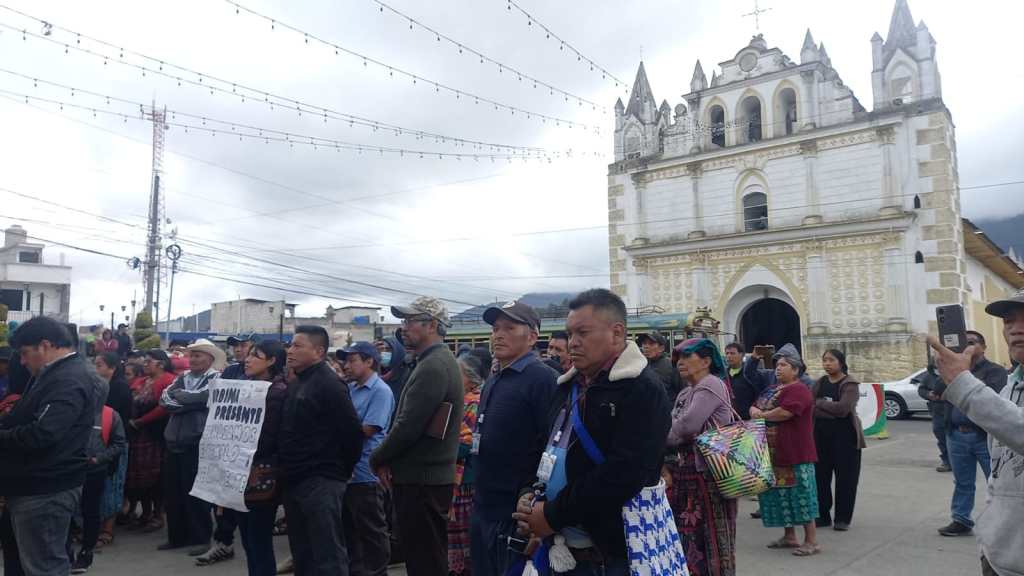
(939, 430)
(967, 450)
(488, 545)
(41, 526)
(257, 528)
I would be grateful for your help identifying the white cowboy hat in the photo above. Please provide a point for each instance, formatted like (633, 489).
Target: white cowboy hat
(204, 345)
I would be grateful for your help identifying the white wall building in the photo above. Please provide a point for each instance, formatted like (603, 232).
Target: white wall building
(29, 284)
(773, 196)
(250, 315)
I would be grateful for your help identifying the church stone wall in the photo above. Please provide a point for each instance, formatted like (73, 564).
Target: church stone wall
(878, 359)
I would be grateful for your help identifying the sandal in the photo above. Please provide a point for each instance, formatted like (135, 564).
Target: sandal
(105, 539)
(783, 543)
(807, 550)
(155, 524)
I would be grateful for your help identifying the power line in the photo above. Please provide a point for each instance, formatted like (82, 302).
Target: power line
(563, 44)
(268, 135)
(184, 75)
(483, 57)
(416, 79)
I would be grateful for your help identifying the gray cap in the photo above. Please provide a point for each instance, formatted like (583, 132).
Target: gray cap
(1001, 308)
(423, 306)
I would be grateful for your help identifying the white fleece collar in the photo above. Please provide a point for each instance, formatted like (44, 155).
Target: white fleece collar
(629, 365)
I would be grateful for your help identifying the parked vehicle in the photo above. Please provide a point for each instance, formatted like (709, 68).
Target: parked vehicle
(901, 398)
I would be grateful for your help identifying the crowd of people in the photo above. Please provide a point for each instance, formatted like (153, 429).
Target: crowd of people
(484, 460)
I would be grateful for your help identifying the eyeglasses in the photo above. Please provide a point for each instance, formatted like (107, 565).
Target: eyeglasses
(414, 319)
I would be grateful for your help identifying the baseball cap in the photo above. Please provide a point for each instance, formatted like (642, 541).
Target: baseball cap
(423, 306)
(515, 311)
(1000, 308)
(364, 348)
(654, 337)
(236, 340)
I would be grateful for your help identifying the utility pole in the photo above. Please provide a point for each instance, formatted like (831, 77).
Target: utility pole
(174, 253)
(158, 118)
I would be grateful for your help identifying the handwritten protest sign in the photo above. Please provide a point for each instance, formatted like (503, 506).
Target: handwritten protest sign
(233, 425)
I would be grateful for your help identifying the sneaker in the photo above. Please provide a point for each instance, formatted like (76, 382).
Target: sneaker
(841, 526)
(217, 553)
(756, 513)
(286, 566)
(82, 563)
(943, 468)
(955, 529)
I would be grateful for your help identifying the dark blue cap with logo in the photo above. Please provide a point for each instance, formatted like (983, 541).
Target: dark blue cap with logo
(364, 348)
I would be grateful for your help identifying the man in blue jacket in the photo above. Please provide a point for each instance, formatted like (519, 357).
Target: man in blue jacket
(43, 444)
(512, 416)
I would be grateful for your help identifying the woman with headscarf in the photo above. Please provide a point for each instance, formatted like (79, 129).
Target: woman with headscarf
(145, 440)
(705, 519)
(839, 438)
(462, 500)
(788, 408)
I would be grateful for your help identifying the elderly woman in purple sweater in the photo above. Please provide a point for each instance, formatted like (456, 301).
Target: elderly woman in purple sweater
(705, 519)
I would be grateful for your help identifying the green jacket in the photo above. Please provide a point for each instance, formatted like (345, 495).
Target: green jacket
(414, 457)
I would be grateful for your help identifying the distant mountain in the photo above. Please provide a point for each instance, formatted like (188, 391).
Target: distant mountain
(540, 301)
(1006, 233)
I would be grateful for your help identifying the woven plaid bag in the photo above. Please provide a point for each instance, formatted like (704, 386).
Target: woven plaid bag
(652, 540)
(738, 457)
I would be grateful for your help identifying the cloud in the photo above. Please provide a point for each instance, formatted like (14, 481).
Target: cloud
(470, 230)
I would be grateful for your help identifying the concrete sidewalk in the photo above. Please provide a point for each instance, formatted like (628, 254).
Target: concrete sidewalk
(902, 500)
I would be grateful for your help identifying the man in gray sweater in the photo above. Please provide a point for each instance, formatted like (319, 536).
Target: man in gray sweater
(1002, 417)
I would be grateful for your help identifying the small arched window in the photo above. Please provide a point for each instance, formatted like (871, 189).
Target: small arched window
(918, 257)
(786, 111)
(917, 202)
(750, 128)
(716, 115)
(633, 142)
(755, 211)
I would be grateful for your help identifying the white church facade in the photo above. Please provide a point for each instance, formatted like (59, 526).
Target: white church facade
(772, 195)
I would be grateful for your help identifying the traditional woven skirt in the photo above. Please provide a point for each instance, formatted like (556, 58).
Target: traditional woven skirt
(145, 457)
(113, 491)
(793, 506)
(706, 521)
(458, 530)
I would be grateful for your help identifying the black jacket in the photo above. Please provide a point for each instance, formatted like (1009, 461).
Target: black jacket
(43, 439)
(321, 434)
(744, 392)
(668, 375)
(628, 415)
(119, 397)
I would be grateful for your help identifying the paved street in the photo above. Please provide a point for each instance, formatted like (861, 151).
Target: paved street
(902, 500)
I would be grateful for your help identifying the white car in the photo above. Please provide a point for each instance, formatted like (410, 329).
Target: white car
(902, 399)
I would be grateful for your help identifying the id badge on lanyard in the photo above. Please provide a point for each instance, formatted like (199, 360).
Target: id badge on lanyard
(553, 459)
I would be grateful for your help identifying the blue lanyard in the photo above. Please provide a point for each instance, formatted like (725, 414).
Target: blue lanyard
(589, 446)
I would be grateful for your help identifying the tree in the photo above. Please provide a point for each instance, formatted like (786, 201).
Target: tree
(3, 325)
(145, 336)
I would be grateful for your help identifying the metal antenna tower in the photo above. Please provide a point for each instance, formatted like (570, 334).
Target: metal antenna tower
(158, 118)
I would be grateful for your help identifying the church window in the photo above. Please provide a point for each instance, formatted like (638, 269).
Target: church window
(786, 111)
(751, 119)
(755, 211)
(633, 142)
(918, 257)
(717, 117)
(901, 84)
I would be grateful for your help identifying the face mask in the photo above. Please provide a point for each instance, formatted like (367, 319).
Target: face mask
(385, 358)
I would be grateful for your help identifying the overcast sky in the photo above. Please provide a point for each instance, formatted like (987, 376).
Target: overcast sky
(470, 231)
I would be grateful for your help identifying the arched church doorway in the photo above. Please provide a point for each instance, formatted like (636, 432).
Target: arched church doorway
(769, 322)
